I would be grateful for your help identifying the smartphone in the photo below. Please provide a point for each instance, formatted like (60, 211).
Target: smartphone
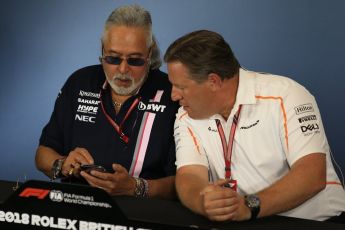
(88, 167)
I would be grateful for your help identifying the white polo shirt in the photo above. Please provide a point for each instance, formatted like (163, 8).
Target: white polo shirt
(279, 123)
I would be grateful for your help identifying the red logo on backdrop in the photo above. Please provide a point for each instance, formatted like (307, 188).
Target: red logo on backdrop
(35, 192)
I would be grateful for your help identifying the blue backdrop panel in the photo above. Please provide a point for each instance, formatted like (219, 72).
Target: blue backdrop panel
(43, 42)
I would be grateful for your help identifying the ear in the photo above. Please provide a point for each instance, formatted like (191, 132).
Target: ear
(214, 81)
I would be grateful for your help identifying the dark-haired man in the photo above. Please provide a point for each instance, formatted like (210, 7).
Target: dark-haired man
(258, 138)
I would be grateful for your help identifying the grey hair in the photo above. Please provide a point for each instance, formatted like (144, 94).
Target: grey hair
(135, 16)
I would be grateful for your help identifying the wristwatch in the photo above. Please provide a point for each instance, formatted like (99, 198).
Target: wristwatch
(57, 168)
(253, 203)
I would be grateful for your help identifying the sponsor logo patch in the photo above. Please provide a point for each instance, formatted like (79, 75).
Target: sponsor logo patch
(250, 126)
(87, 109)
(212, 130)
(307, 118)
(306, 128)
(152, 107)
(88, 94)
(304, 108)
(85, 118)
(310, 129)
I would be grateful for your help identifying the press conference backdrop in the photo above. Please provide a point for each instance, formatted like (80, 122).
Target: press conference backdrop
(43, 42)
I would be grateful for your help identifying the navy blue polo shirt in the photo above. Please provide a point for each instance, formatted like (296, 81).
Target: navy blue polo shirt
(79, 121)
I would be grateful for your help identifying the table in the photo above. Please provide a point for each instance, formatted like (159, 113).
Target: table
(42, 204)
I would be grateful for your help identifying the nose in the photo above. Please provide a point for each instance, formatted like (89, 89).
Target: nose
(175, 95)
(123, 67)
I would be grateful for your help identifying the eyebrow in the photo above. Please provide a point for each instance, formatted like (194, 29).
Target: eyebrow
(130, 54)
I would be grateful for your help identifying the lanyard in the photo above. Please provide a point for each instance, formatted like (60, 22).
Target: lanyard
(227, 148)
(118, 128)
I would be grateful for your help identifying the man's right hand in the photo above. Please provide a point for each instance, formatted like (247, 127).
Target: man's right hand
(75, 158)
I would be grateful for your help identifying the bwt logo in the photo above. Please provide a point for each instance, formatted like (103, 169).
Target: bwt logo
(304, 108)
(151, 107)
(35, 192)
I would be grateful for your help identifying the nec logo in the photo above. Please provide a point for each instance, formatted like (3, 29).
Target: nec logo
(304, 108)
(84, 118)
(151, 107)
(35, 192)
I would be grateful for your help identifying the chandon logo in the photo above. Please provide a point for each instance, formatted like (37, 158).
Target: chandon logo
(151, 107)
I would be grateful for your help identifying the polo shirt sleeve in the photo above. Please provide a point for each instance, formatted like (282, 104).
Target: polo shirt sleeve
(53, 133)
(304, 132)
(189, 150)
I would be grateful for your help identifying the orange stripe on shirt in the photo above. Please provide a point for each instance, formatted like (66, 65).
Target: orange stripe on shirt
(184, 114)
(334, 182)
(284, 115)
(194, 140)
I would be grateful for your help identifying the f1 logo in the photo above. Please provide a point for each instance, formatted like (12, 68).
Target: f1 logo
(36, 192)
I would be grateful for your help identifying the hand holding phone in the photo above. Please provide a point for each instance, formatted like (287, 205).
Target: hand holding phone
(89, 167)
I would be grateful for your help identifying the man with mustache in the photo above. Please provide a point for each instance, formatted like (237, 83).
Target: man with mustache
(117, 115)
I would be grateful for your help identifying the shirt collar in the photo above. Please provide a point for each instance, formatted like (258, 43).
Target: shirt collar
(245, 92)
(246, 88)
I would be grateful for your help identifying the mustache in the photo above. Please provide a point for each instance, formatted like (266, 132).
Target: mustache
(125, 77)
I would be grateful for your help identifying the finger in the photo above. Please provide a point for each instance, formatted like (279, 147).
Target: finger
(106, 185)
(207, 189)
(101, 175)
(221, 182)
(223, 213)
(91, 180)
(119, 169)
(221, 208)
(70, 172)
(86, 156)
(222, 217)
(98, 178)
(74, 158)
(67, 169)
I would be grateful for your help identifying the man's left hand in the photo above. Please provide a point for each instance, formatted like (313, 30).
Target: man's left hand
(221, 203)
(117, 183)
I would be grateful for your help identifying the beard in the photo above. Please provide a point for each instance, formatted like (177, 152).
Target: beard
(125, 90)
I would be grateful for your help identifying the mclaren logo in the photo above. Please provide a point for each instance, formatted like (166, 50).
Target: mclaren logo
(152, 107)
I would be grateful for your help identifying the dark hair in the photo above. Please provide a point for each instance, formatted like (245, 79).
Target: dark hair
(203, 52)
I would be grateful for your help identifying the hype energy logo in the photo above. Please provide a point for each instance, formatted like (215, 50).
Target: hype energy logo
(151, 107)
(304, 108)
